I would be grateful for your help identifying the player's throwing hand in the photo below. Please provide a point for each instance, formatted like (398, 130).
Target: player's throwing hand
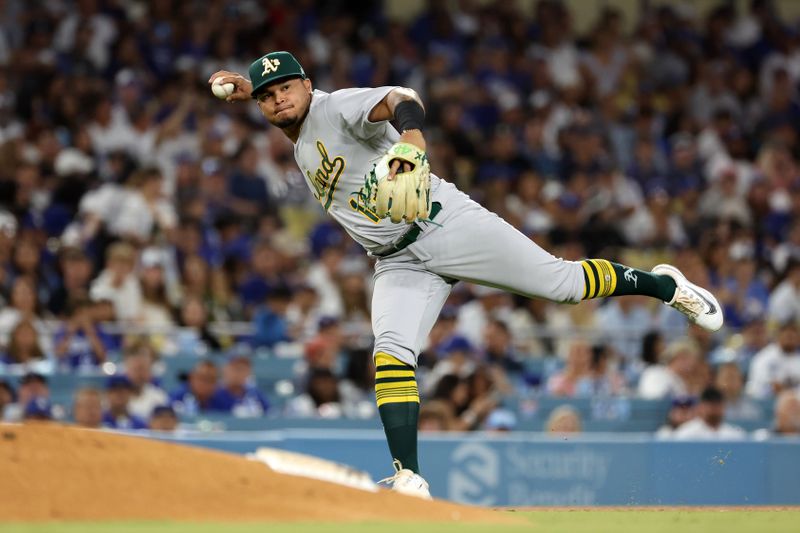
(242, 86)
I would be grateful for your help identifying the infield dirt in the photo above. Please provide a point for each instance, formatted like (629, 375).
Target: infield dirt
(56, 472)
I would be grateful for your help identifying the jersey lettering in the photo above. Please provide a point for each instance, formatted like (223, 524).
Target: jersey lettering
(363, 201)
(326, 176)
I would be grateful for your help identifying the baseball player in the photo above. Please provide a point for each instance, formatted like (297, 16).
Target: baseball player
(424, 232)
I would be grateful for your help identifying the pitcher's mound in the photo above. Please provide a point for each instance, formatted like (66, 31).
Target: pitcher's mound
(55, 472)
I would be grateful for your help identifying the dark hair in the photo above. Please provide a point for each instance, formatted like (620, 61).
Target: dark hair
(7, 386)
(445, 387)
(711, 395)
(500, 324)
(649, 343)
(13, 345)
(317, 375)
(359, 368)
(599, 354)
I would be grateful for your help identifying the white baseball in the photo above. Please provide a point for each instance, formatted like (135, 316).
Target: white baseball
(222, 90)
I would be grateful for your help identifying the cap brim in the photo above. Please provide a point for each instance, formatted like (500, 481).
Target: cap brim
(264, 84)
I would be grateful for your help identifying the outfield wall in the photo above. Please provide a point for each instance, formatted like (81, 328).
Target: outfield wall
(539, 470)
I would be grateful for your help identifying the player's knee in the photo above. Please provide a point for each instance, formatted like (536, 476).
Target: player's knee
(563, 282)
(393, 356)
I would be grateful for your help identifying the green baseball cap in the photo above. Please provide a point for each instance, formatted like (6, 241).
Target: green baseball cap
(273, 67)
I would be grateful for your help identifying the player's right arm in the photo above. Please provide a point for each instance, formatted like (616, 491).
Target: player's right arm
(242, 86)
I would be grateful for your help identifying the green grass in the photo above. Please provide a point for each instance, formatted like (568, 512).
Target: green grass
(562, 521)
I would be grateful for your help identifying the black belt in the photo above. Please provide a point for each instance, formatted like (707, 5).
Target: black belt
(407, 238)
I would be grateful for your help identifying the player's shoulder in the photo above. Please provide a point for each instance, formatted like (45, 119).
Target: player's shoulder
(360, 94)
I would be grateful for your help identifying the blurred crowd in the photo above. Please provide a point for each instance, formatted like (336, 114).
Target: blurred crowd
(143, 218)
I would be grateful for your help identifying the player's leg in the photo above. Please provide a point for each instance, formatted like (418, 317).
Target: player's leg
(477, 245)
(406, 301)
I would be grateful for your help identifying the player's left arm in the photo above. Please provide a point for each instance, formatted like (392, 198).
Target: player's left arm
(404, 183)
(404, 106)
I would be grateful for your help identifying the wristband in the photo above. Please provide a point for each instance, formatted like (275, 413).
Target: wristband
(409, 115)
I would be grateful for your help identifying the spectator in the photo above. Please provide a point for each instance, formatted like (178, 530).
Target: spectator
(247, 187)
(303, 313)
(156, 308)
(194, 336)
(564, 419)
(604, 380)
(146, 394)
(27, 263)
(87, 408)
(474, 316)
(629, 319)
(787, 252)
(38, 409)
(650, 352)
(682, 409)
(263, 276)
(357, 389)
(163, 418)
(270, 320)
(434, 416)
(573, 379)
(458, 359)
(672, 377)
(500, 421)
(76, 274)
(211, 286)
(124, 165)
(355, 319)
(31, 385)
(119, 390)
(320, 353)
(198, 395)
(784, 302)
(23, 346)
(499, 351)
(321, 398)
(119, 284)
(82, 344)
(708, 424)
(238, 393)
(787, 417)
(322, 277)
(730, 382)
(777, 366)
(442, 330)
(752, 339)
(7, 397)
(24, 306)
(331, 330)
(145, 210)
(465, 413)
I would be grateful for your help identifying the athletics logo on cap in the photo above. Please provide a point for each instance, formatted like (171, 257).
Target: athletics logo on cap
(274, 67)
(270, 65)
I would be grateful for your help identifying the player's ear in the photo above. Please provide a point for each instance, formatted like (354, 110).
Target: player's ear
(307, 85)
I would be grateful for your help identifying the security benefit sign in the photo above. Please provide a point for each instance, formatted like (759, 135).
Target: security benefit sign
(545, 473)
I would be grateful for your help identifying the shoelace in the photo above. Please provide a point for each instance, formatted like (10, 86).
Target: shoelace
(398, 466)
(688, 302)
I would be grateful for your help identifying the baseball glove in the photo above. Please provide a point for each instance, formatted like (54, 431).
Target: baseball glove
(408, 196)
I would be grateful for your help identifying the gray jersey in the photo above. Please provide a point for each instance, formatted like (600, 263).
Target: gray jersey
(337, 151)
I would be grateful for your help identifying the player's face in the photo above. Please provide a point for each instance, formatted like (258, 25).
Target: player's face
(285, 103)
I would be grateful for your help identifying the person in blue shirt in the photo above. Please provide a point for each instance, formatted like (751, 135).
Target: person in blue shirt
(81, 342)
(270, 320)
(118, 393)
(38, 408)
(199, 394)
(238, 392)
